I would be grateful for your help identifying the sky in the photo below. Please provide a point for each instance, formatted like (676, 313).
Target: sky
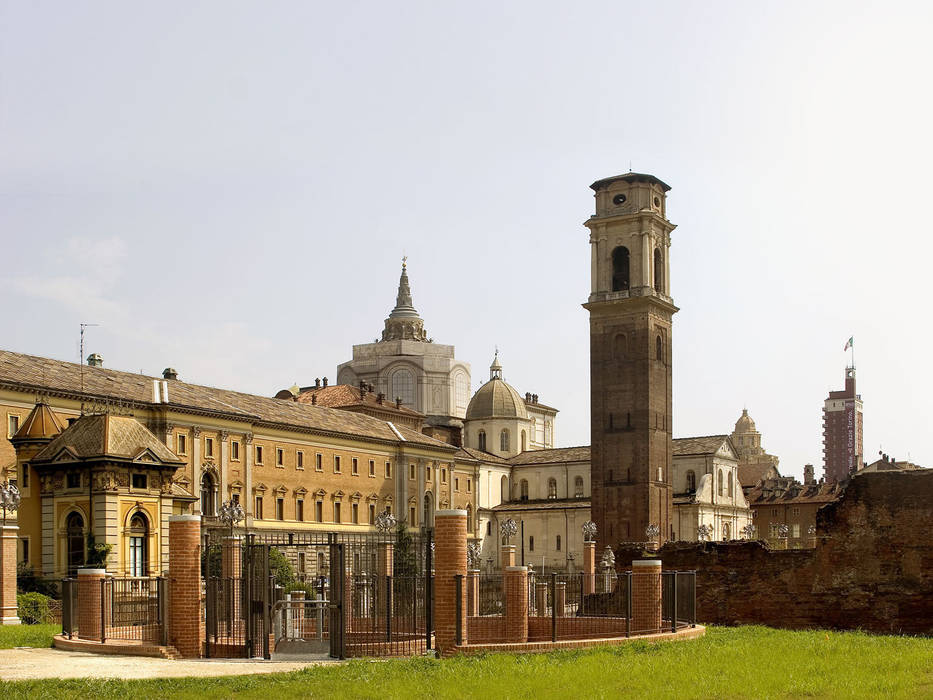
(228, 188)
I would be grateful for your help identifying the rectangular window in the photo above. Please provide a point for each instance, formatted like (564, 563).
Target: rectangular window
(456, 483)
(411, 472)
(25, 481)
(388, 470)
(258, 513)
(372, 467)
(280, 509)
(258, 454)
(139, 481)
(12, 425)
(356, 513)
(355, 464)
(319, 462)
(372, 514)
(774, 512)
(531, 543)
(236, 498)
(795, 530)
(795, 511)
(427, 473)
(319, 511)
(336, 464)
(279, 457)
(469, 485)
(182, 442)
(302, 562)
(25, 542)
(300, 460)
(443, 476)
(299, 510)
(208, 447)
(235, 450)
(558, 548)
(411, 516)
(73, 480)
(336, 511)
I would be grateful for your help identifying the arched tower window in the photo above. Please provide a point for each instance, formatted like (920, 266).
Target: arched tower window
(691, 481)
(658, 271)
(524, 441)
(74, 533)
(729, 484)
(481, 441)
(505, 488)
(207, 494)
(726, 531)
(504, 440)
(659, 349)
(523, 486)
(403, 386)
(552, 488)
(719, 483)
(578, 487)
(620, 269)
(139, 545)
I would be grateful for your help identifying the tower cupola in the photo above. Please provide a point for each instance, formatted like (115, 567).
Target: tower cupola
(403, 322)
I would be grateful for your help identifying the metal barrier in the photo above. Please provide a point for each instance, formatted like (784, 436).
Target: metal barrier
(678, 599)
(301, 626)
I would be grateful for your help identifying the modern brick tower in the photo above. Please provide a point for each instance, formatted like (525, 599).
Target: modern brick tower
(842, 431)
(630, 359)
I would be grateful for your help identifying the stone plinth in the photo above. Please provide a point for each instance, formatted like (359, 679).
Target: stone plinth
(184, 563)
(450, 561)
(589, 567)
(508, 556)
(515, 582)
(646, 596)
(91, 624)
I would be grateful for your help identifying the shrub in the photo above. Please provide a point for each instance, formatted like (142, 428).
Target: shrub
(280, 569)
(28, 582)
(32, 608)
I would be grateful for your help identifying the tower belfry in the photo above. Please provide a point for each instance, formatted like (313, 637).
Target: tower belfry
(631, 311)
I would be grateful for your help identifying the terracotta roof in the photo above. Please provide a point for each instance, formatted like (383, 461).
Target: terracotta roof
(40, 424)
(341, 395)
(481, 456)
(108, 436)
(546, 504)
(556, 454)
(786, 491)
(704, 445)
(54, 377)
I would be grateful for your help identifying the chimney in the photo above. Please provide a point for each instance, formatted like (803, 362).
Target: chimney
(398, 401)
(527, 397)
(325, 382)
(317, 383)
(95, 360)
(169, 373)
(534, 398)
(380, 398)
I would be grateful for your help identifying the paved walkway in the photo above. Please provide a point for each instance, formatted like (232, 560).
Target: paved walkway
(26, 663)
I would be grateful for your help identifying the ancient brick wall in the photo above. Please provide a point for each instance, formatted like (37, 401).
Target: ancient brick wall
(872, 568)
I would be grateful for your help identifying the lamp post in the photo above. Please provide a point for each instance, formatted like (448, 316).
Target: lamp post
(704, 532)
(651, 533)
(231, 513)
(508, 530)
(589, 531)
(9, 498)
(385, 522)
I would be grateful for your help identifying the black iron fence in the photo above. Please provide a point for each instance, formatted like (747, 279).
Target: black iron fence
(69, 607)
(388, 615)
(129, 609)
(678, 599)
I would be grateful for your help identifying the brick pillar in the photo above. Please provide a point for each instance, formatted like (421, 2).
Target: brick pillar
(646, 596)
(515, 582)
(473, 592)
(8, 614)
(508, 556)
(560, 598)
(541, 599)
(589, 567)
(90, 583)
(450, 560)
(184, 564)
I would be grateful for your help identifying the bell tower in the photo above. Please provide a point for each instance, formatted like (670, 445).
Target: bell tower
(630, 309)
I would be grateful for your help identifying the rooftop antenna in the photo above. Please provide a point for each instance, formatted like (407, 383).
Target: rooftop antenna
(84, 326)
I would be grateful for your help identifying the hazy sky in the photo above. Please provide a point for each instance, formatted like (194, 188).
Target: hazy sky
(228, 188)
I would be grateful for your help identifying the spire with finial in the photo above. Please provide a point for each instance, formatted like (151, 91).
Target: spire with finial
(495, 369)
(404, 323)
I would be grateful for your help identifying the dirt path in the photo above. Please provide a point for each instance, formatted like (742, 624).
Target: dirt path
(25, 663)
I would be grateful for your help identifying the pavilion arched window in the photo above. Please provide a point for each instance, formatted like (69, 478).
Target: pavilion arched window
(139, 545)
(620, 269)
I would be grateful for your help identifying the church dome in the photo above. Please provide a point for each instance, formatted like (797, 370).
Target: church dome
(496, 398)
(745, 424)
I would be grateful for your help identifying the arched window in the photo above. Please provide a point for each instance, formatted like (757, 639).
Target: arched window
(726, 531)
(505, 488)
(658, 271)
(74, 533)
(469, 510)
(481, 441)
(523, 486)
(729, 484)
(403, 386)
(207, 494)
(620, 265)
(578, 487)
(462, 391)
(524, 441)
(428, 509)
(691, 481)
(659, 349)
(719, 483)
(552, 488)
(504, 440)
(139, 545)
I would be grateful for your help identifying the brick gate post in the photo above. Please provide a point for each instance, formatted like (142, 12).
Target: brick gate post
(8, 613)
(515, 582)
(184, 564)
(589, 567)
(450, 560)
(646, 596)
(90, 583)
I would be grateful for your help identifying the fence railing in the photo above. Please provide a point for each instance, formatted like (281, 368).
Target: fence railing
(132, 609)
(678, 599)
(388, 615)
(69, 607)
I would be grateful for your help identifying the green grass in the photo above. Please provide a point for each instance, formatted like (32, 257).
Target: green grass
(728, 663)
(27, 636)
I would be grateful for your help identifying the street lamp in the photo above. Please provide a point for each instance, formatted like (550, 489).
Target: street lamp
(9, 498)
(231, 513)
(589, 531)
(508, 529)
(704, 532)
(385, 522)
(652, 532)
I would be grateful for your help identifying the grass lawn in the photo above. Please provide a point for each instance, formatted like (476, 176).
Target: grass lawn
(27, 635)
(728, 663)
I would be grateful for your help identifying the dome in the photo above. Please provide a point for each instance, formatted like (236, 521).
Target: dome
(496, 399)
(745, 424)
